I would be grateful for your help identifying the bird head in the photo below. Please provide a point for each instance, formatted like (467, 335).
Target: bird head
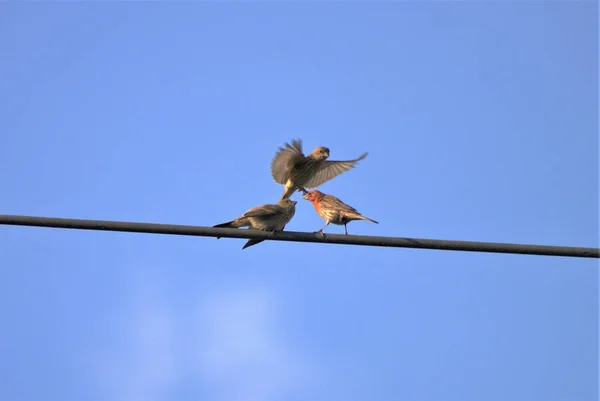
(320, 153)
(313, 195)
(287, 202)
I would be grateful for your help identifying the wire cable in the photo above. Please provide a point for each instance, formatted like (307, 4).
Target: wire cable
(398, 242)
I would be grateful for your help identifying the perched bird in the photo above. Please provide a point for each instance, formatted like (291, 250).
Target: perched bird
(333, 210)
(297, 172)
(264, 218)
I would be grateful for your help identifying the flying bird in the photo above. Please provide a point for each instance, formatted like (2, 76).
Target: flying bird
(297, 172)
(264, 218)
(333, 210)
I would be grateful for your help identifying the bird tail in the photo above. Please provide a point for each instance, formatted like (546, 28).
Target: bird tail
(361, 217)
(287, 192)
(252, 242)
(229, 224)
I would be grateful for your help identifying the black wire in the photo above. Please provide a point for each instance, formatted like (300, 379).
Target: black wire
(171, 229)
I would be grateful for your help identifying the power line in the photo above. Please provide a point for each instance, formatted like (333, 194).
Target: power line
(172, 229)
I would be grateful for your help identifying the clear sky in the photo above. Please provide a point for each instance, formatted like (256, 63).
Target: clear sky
(481, 123)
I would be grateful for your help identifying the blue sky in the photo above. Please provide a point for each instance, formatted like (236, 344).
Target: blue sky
(481, 123)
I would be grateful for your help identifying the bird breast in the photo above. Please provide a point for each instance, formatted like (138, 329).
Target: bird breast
(331, 215)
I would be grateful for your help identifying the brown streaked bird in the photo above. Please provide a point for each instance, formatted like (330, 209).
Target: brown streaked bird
(264, 218)
(333, 210)
(297, 172)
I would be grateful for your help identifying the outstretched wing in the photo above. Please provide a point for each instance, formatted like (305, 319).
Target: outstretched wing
(263, 211)
(330, 169)
(285, 159)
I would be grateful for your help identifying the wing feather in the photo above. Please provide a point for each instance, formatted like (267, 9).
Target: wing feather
(263, 211)
(330, 169)
(285, 159)
(335, 203)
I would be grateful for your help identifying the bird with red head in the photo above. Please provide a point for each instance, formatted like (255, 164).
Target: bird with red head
(333, 210)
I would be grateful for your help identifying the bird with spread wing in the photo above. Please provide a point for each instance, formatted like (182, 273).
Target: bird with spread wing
(297, 172)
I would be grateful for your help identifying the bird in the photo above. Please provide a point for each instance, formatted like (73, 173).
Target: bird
(297, 172)
(333, 210)
(266, 217)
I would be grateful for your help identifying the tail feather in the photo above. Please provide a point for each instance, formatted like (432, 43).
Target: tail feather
(252, 242)
(287, 192)
(229, 224)
(361, 217)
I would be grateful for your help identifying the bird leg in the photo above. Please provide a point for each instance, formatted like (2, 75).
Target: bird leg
(322, 228)
(345, 228)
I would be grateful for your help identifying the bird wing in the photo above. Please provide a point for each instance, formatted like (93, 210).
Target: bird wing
(263, 211)
(335, 203)
(285, 159)
(329, 169)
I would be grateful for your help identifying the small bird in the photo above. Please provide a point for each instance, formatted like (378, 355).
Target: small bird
(333, 210)
(264, 218)
(297, 172)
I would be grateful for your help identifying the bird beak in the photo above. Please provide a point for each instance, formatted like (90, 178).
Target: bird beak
(294, 202)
